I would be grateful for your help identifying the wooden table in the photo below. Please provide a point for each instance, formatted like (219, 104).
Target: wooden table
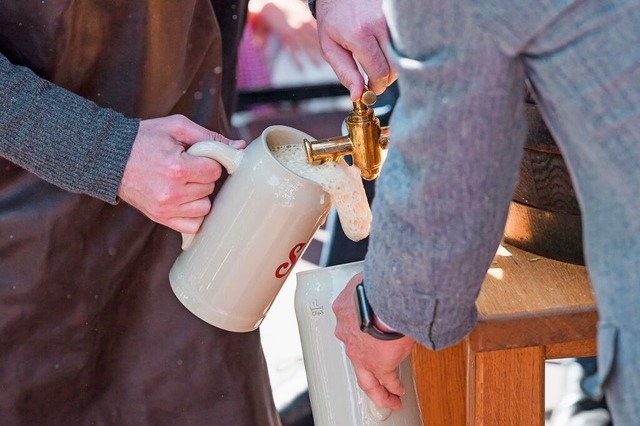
(530, 309)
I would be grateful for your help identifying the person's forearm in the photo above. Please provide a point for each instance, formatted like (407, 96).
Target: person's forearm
(61, 137)
(442, 197)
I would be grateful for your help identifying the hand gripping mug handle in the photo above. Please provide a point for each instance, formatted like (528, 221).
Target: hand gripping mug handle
(228, 157)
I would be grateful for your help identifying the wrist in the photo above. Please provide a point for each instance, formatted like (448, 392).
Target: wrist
(368, 322)
(381, 325)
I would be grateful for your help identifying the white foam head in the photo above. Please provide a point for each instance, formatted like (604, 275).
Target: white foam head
(341, 181)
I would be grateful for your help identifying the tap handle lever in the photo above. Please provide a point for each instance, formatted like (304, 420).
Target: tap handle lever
(367, 99)
(365, 140)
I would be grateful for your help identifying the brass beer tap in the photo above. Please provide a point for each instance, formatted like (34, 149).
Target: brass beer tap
(365, 142)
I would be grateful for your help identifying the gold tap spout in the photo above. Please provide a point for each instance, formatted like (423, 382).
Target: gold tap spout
(365, 142)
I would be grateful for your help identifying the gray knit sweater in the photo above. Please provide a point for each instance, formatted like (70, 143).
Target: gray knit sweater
(61, 137)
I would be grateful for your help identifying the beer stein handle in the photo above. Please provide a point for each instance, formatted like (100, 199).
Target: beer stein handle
(228, 157)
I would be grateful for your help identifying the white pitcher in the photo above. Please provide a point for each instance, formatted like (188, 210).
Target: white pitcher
(260, 224)
(336, 399)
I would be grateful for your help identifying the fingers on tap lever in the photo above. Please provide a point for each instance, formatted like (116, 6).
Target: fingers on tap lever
(354, 40)
(376, 67)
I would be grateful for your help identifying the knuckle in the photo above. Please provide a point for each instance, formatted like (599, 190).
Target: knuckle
(351, 352)
(366, 386)
(180, 123)
(344, 76)
(177, 171)
(212, 188)
(323, 53)
(380, 73)
(192, 226)
(179, 120)
(164, 201)
(362, 32)
(216, 171)
(338, 334)
(204, 207)
(335, 308)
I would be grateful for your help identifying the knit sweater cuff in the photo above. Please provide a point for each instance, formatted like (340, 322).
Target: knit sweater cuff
(61, 137)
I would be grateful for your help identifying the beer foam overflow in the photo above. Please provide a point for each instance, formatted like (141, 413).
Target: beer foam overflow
(341, 181)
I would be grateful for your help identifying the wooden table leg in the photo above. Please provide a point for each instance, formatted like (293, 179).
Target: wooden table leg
(440, 378)
(506, 387)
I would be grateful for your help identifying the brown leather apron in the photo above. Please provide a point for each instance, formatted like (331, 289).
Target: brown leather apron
(90, 331)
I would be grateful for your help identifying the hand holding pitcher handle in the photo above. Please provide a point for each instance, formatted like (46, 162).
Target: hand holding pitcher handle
(375, 362)
(161, 181)
(227, 156)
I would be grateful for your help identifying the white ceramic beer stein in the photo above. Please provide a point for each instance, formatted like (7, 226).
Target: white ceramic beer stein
(260, 223)
(336, 399)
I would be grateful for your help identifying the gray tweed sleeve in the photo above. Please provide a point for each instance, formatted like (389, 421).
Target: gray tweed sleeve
(442, 198)
(61, 137)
